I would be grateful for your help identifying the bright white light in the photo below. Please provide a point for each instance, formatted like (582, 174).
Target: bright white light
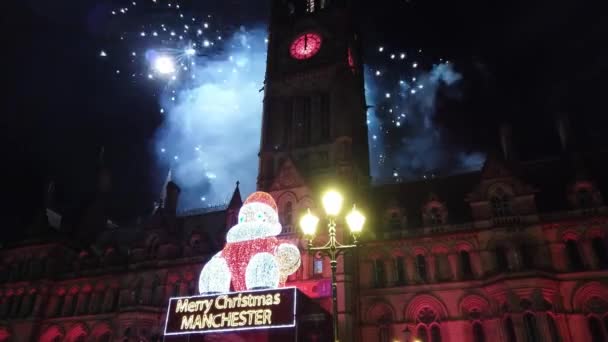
(210, 175)
(381, 48)
(143, 34)
(402, 55)
(414, 65)
(162, 150)
(387, 95)
(190, 51)
(413, 91)
(206, 43)
(392, 56)
(420, 86)
(164, 65)
(206, 25)
(102, 53)
(378, 73)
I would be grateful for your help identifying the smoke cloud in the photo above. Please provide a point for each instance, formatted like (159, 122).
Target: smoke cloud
(404, 140)
(210, 137)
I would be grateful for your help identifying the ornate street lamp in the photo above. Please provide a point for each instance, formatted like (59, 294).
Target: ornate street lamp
(407, 334)
(332, 203)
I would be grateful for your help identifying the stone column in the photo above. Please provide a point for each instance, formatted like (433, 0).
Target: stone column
(453, 260)
(410, 270)
(562, 328)
(579, 327)
(542, 326)
(493, 330)
(518, 324)
(558, 256)
(432, 268)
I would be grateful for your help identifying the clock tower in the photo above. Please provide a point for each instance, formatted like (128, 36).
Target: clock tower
(314, 129)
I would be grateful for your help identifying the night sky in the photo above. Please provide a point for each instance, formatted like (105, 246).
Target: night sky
(516, 62)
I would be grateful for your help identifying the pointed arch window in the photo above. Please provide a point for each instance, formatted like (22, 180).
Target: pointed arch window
(394, 221)
(478, 333)
(465, 264)
(501, 203)
(400, 270)
(428, 326)
(584, 197)
(553, 332)
(509, 330)
(574, 256)
(502, 263)
(595, 329)
(288, 217)
(530, 328)
(599, 249)
(421, 267)
(379, 273)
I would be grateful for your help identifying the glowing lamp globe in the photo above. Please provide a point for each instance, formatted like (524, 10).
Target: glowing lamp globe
(355, 220)
(332, 202)
(308, 223)
(164, 65)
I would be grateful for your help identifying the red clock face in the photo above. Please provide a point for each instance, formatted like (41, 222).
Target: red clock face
(305, 46)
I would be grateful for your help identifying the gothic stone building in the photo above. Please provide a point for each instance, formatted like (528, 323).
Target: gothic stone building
(513, 252)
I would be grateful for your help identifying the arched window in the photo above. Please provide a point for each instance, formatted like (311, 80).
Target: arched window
(501, 203)
(422, 334)
(421, 267)
(553, 332)
(510, 330)
(435, 216)
(478, 333)
(465, 265)
(428, 326)
(379, 273)
(595, 329)
(502, 263)
(395, 224)
(383, 333)
(59, 306)
(105, 337)
(400, 270)
(435, 333)
(574, 256)
(530, 329)
(584, 197)
(599, 248)
(287, 217)
(317, 266)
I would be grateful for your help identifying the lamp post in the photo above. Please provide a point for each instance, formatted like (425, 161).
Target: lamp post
(332, 203)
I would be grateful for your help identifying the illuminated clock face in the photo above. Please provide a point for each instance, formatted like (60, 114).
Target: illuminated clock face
(305, 46)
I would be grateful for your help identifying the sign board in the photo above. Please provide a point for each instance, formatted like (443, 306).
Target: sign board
(234, 311)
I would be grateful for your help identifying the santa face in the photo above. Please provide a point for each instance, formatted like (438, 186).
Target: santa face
(256, 220)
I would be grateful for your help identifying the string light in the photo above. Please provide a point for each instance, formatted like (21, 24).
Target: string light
(253, 257)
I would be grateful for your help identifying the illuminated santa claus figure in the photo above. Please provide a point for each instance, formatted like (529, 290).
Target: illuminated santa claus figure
(253, 257)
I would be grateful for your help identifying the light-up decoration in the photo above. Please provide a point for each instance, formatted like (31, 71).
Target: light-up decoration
(305, 46)
(253, 257)
(235, 311)
(351, 61)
